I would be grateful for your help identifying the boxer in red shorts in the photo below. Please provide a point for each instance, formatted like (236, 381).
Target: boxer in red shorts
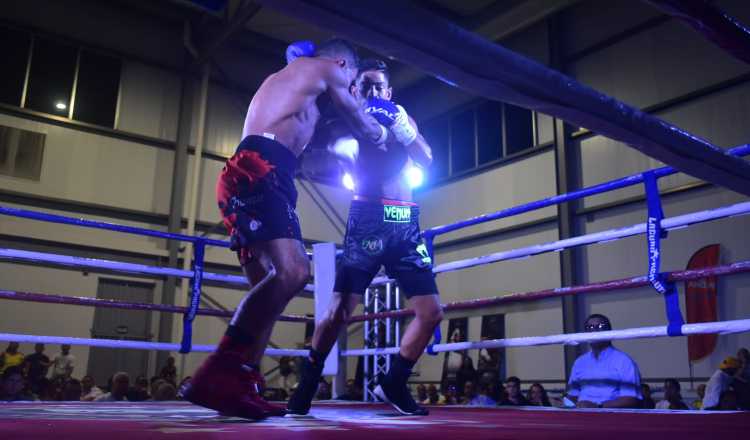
(257, 198)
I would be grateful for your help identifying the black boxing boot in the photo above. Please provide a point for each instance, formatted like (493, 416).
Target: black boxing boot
(312, 368)
(393, 388)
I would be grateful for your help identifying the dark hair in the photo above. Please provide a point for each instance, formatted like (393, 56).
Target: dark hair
(337, 47)
(374, 64)
(601, 318)
(545, 397)
(673, 382)
(513, 379)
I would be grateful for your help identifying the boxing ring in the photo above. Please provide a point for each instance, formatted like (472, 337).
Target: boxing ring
(334, 420)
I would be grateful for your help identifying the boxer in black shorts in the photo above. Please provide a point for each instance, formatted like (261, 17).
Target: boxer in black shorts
(383, 230)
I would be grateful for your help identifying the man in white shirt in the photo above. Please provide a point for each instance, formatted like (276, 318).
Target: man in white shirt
(62, 364)
(604, 377)
(720, 382)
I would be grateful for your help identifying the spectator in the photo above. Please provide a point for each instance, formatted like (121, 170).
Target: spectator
(154, 384)
(63, 363)
(483, 398)
(720, 382)
(728, 401)
(743, 355)
(353, 391)
(165, 392)
(449, 396)
(648, 401)
(89, 391)
(604, 377)
(701, 392)
(286, 368)
(422, 393)
(13, 385)
(468, 394)
(72, 390)
(513, 394)
(537, 395)
(49, 390)
(454, 360)
(672, 396)
(169, 371)
(467, 373)
(139, 392)
(11, 357)
(324, 390)
(36, 366)
(118, 390)
(433, 398)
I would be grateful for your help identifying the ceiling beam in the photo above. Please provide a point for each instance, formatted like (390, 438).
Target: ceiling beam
(479, 66)
(238, 21)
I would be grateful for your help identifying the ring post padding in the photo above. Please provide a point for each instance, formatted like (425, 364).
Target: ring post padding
(654, 234)
(324, 263)
(195, 297)
(437, 338)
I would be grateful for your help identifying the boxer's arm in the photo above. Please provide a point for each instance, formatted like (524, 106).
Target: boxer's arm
(363, 126)
(419, 150)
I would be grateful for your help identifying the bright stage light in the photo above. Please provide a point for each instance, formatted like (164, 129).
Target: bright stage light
(348, 181)
(414, 176)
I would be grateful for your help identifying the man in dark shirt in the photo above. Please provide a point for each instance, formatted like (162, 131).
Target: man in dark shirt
(513, 394)
(35, 366)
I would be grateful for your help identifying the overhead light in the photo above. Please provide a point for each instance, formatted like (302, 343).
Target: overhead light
(414, 176)
(346, 147)
(348, 181)
(60, 105)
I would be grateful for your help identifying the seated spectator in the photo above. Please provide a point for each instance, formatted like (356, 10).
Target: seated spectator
(35, 366)
(483, 398)
(449, 396)
(672, 396)
(169, 371)
(72, 390)
(63, 363)
(743, 355)
(118, 390)
(537, 395)
(165, 392)
(353, 391)
(286, 368)
(421, 393)
(720, 382)
(647, 402)
(468, 394)
(465, 374)
(13, 386)
(154, 384)
(728, 401)
(433, 398)
(324, 390)
(513, 394)
(11, 357)
(701, 392)
(139, 392)
(604, 377)
(89, 391)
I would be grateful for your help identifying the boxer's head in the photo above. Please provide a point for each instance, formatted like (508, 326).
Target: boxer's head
(342, 52)
(373, 80)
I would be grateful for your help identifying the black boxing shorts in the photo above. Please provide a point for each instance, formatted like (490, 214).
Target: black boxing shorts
(256, 194)
(385, 233)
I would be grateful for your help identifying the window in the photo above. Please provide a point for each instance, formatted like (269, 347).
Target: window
(463, 147)
(21, 153)
(483, 134)
(490, 131)
(97, 89)
(51, 77)
(519, 129)
(15, 46)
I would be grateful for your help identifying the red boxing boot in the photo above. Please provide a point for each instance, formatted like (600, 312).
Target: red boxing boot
(226, 384)
(270, 409)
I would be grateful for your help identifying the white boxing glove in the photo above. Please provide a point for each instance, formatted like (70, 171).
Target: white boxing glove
(402, 128)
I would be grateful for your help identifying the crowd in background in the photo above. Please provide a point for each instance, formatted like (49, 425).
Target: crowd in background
(37, 377)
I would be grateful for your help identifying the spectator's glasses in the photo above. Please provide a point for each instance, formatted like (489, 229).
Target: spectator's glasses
(597, 326)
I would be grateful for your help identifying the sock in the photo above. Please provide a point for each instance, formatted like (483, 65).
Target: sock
(237, 341)
(401, 369)
(317, 359)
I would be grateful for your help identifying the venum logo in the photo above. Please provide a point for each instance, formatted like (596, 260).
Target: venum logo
(396, 214)
(372, 245)
(653, 256)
